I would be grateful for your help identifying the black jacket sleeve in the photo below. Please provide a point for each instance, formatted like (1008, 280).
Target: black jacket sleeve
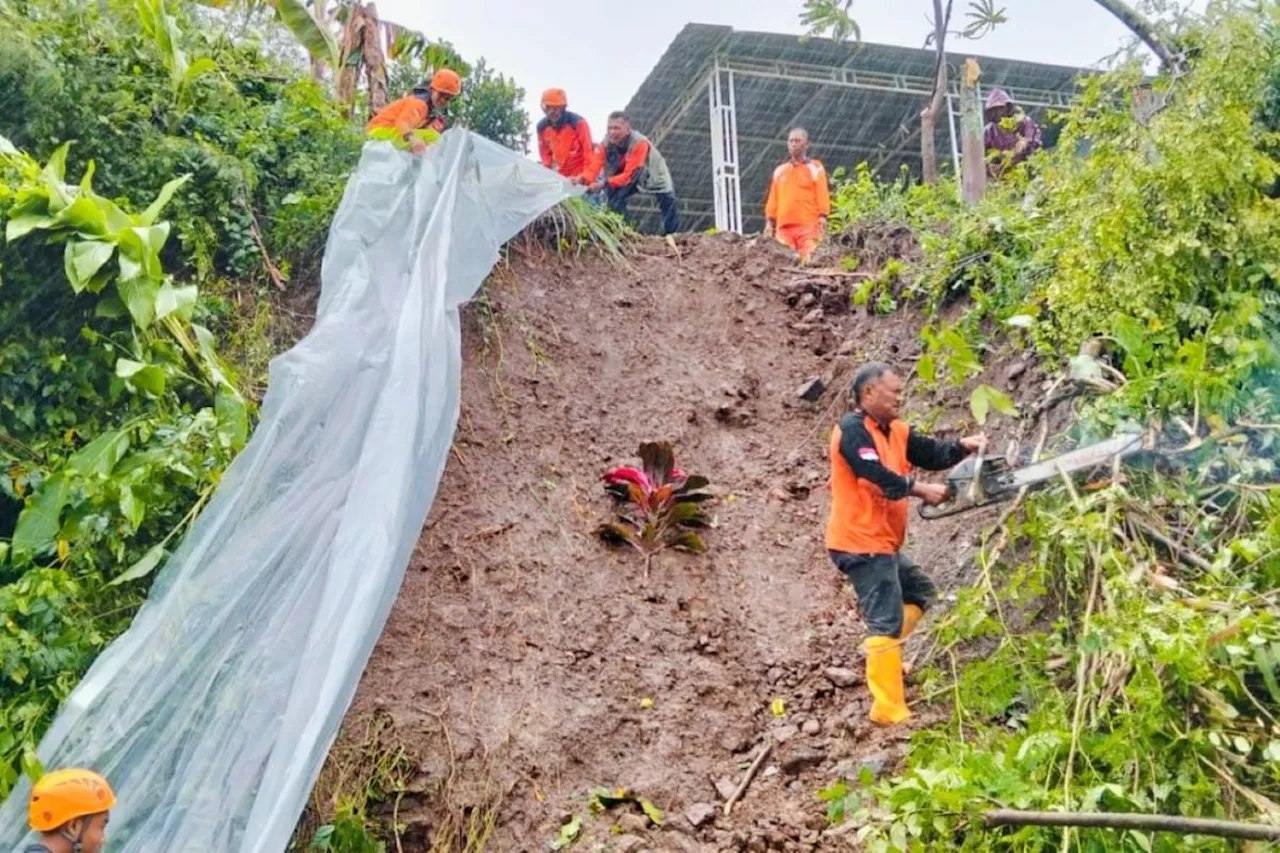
(859, 450)
(932, 454)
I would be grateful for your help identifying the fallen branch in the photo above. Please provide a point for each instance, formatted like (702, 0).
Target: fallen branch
(256, 233)
(1191, 559)
(1140, 822)
(746, 780)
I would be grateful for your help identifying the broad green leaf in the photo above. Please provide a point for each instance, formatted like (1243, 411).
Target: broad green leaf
(24, 223)
(689, 541)
(31, 766)
(4, 558)
(132, 508)
(1131, 335)
(147, 377)
(101, 455)
(568, 833)
(82, 259)
(179, 301)
(54, 175)
(927, 369)
(233, 417)
(985, 398)
(138, 295)
(145, 566)
(152, 238)
(152, 213)
(109, 306)
(310, 33)
(202, 66)
(85, 215)
(653, 812)
(37, 529)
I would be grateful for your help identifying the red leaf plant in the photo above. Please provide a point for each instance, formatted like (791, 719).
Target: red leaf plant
(658, 505)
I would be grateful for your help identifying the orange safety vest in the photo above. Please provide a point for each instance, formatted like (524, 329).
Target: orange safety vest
(863, 520)
(798, 194)
(406, 115)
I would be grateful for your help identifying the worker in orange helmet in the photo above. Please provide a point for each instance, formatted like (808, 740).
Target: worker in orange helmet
(799, 203)
(69, 809)
(564, 139)
(417, 120)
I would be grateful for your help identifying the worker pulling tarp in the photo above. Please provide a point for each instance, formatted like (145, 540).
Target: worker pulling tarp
(213, 713)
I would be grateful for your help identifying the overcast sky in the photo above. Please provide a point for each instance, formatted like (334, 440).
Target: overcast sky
(542, 44)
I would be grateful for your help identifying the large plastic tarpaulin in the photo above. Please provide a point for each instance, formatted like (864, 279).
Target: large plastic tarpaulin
(212, 715)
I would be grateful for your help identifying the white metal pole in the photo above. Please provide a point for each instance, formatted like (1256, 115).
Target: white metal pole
(955, 144)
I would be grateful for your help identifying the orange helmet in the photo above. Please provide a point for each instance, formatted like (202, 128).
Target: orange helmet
(554, 98)
(65, 795)
(447, 82)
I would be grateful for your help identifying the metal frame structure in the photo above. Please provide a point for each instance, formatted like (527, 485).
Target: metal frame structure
(724, 119)
(724, 151)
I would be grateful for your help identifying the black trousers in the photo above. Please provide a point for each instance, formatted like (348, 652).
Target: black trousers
(620, 200)
(884, 583)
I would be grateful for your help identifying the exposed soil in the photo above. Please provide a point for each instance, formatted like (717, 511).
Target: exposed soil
(521, 649)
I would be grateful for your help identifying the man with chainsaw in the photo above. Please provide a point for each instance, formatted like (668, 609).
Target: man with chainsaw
(799, 202)
(564, 139)
(69, 809)
(417, 120)
(873, 454)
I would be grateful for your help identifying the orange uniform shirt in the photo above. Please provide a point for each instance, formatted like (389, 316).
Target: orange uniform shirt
(568, 148)
(406, 115)
(863, 520)
(798, 194)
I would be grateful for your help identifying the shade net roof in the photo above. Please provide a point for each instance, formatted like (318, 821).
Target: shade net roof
(858, 101)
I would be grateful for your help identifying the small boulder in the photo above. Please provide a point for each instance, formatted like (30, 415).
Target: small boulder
(628, 843)
(700, 814)
(633, 822)
(782, 734)
(812, 390)
(801, 760)
(841, 677)
(725, 788)
(811, 727)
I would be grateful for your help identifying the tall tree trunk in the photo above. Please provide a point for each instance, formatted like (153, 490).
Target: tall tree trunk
(353, 36)
(1143, 29)
(929, 116)
(322, 17)
(973, 168)
(375, 63)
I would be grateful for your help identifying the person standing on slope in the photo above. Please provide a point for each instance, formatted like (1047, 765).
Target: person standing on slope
(69, 809)
(631, 164)
(1010, 136)
(564, 139)
(872, 457)
(417, 120)
(799, 203)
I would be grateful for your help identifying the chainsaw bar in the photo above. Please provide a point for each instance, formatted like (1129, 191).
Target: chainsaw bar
(996, 482)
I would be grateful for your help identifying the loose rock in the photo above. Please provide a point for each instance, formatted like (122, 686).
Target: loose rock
(700, 814)
(841, 677)
(725, 788)
(633, 823)
(811, 727)
(800, 761)
(812, 390)
(782, 734)
(628, 843)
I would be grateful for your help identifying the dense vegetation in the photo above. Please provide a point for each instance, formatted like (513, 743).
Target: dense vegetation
(1088, 667)
(163, 167)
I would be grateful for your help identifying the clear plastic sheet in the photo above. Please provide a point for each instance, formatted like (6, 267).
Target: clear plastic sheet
(212, 715)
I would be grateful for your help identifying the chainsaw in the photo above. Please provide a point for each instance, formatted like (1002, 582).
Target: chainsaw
(984, 480)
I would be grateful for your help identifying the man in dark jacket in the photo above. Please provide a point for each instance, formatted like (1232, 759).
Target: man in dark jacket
(628, 163)
(872, 457)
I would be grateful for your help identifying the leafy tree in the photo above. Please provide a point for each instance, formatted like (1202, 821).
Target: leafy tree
(492, 107)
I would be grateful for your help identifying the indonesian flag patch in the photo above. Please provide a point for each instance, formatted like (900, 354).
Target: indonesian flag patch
(868, 454)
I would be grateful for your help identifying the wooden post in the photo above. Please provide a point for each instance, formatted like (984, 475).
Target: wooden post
(1136, 822)
(973, 163)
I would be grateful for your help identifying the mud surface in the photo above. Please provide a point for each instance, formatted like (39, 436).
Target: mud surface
(517, 663)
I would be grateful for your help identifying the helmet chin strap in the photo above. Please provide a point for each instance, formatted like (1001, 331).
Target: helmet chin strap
(75, 839)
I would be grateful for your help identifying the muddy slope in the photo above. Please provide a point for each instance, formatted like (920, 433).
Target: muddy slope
(521, 650)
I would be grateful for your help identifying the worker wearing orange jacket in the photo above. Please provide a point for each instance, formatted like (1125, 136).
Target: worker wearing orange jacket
(564, 139)
(872, 457)
(799, 203)
(417, 120)
(70, 809)
(627, 163)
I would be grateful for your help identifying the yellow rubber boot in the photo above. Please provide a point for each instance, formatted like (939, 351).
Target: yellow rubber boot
(884, 679)
(911, 616)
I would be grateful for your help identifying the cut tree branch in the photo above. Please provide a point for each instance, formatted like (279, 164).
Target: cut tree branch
(1139, 822)
(1143, 29)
